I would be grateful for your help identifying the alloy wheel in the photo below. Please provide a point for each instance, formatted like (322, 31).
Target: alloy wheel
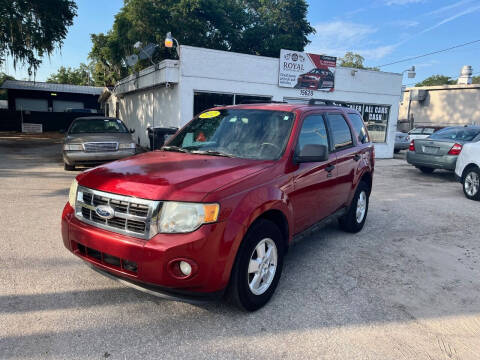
(361, 206)
(472, 183)
(262, 266)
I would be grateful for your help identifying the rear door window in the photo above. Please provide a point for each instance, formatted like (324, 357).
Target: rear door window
(341, 134)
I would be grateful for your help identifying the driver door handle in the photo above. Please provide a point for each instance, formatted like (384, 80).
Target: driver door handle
(330, 168)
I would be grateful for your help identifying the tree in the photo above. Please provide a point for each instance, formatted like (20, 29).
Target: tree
(260, 27)
(31, 29)
(437, 80)
(476, 80)
(353, 60)
(80, 76)
(3, 92)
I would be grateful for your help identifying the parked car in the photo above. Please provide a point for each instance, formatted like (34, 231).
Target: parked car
(441, 149)
(96, 139)
(316, 79)
(215, 210)
(467, 170)
(422, 132)
(401, 142)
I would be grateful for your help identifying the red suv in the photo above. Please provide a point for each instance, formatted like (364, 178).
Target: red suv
(214, 211)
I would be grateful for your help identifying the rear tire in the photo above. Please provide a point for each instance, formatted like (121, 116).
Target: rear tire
(471, 184)
(354, 220)
(396, 151)
(69, 167)
(426, 170)
(243, 290)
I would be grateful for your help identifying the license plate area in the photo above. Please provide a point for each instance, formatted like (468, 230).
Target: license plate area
(432, 150)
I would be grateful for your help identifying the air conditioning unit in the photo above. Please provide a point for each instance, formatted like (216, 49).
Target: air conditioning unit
(418, 95)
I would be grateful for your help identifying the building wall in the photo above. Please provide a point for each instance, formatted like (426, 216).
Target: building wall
(444, 105)
(139, 110)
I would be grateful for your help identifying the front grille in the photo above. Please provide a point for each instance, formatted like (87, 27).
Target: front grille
(100, 146)
(131, 216)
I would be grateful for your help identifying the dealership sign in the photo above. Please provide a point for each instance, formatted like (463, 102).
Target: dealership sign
(307, 72)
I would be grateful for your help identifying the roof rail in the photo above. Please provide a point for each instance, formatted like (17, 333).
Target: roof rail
(256, 101)
(321, 102)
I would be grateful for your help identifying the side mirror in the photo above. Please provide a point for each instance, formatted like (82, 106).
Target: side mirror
(312, 153)
(132, 131)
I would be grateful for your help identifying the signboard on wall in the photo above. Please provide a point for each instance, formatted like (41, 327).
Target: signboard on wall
(306, 72)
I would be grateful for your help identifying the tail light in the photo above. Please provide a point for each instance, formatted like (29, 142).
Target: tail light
(412, 146)
(455, 150)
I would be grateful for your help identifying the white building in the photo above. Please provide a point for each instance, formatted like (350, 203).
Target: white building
(171, 92)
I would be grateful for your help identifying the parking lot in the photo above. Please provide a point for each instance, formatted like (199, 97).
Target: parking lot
(407, 286)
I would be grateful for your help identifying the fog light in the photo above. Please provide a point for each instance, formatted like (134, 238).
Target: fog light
(185, 268)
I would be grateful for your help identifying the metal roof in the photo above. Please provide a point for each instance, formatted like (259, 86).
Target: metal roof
(43, 86)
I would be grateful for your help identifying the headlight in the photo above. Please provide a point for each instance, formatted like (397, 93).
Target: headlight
(72, 196)
(73, 147)
(127, 146)
(180, 217)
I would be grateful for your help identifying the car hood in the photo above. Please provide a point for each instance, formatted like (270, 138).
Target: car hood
(163, 175)
(104, 137)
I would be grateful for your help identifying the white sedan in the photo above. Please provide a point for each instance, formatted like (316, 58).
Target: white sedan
(467, 170)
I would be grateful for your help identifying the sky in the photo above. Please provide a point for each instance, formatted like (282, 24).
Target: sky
(382, 31)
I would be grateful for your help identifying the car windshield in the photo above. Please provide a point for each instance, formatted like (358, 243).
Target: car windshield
(250, 134)
(457, 134)
(82, 126)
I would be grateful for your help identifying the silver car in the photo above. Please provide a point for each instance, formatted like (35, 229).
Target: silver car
(441, 149)
(401, 142)
(94, 140)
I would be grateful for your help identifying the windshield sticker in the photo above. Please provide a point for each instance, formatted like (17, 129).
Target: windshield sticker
(209, 114)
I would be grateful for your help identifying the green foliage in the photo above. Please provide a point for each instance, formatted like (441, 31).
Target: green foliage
(353, 60)
(260, 27)
(476, 80)
(437, 80)
(80, 76)
(32, 29)
(3, 92)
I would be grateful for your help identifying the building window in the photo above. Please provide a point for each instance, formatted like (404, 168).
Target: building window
(251, 99)
(107, 109)
(31, 104)
(117, 110)
(204, 100)
(62, 105)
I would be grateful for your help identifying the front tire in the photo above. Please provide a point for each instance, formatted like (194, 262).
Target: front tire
(257, 267)
(69, 167)
(471, 184)
(354, 220)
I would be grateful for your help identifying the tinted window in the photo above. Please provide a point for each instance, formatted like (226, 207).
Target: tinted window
(342, 137)
(458, 134)
(313, 132)
(416, 131)
(359, 127)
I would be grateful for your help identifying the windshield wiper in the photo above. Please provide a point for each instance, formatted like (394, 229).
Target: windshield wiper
(211, 152)
(174, 148)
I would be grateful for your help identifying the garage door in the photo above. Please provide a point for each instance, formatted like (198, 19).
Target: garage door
(31, 104)
(62, 105)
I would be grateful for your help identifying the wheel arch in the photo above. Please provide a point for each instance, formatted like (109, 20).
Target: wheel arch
(368, 179)
(280, 220)
(468, 168)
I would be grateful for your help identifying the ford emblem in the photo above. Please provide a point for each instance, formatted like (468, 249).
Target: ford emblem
(105, 211)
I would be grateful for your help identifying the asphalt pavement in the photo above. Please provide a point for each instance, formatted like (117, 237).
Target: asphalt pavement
(406, 287)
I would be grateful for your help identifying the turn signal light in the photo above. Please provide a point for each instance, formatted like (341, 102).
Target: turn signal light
(412, 146)
(455, 150)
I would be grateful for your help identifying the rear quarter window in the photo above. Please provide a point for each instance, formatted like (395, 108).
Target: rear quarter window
(359, 127)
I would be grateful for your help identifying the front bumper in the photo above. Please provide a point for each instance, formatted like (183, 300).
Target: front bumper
(82, 157)
(446, 162)
(152, 258)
